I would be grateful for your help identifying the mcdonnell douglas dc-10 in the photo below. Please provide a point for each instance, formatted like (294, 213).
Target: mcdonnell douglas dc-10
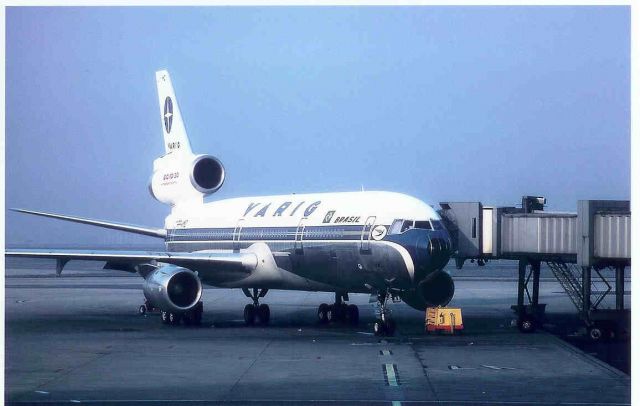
(386, 244)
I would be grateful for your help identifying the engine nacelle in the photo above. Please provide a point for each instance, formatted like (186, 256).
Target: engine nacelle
(183, 178)
(172, 289)
(207, 174)
(436, 289)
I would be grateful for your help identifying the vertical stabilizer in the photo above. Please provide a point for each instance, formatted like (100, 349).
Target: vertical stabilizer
(175, 135)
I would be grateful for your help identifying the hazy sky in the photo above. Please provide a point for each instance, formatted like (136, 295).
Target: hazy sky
(443, 103)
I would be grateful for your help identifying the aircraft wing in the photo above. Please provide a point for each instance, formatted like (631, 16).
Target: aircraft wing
(241, 261)
(151, 232)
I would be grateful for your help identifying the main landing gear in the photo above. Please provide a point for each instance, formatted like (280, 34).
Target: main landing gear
(146, 308)
(339, 311)
(191, 317)
(256, 312)
(385, 325)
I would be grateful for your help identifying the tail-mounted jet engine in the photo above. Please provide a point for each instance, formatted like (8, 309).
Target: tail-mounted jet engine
(180, 178)
(207, 174)
(435, 290)
(172, 289)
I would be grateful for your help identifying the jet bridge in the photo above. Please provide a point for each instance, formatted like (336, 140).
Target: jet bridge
(577, 247)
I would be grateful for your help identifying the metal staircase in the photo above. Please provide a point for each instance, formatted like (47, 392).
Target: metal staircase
(570, 278)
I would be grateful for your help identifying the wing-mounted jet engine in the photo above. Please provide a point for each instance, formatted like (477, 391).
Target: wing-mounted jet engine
(176, 292)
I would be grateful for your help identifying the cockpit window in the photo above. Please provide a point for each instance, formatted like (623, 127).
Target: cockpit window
(425, 225)
(395, 227)
(407, 225)
(400, 226)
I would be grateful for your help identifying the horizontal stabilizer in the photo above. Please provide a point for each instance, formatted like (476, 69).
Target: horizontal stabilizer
(152, 232)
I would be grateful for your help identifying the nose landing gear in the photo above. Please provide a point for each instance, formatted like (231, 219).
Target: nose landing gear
(256, 312)
(385, 325)
(339, 311)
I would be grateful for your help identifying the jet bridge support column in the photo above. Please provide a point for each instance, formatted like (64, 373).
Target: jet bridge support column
(620, 287)
(535, 269)
(522, 271)
(586, 292)
(530, 312)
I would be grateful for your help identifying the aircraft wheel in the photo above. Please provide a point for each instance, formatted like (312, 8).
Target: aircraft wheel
(323, 311)
(526, 325)
(174, 318)
(595, 334)
(378, 328)
(142, 310)
(264, 314)
(197, 314)
(353, 314)
(389, 327)
(332, 314)
(164, 316)
(249, 314)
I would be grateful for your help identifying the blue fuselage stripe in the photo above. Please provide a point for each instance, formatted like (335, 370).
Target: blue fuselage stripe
(308, 233)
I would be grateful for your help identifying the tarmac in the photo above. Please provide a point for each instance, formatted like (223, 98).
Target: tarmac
(79, 338)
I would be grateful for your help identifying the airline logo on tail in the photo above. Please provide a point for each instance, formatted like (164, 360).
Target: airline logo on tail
(168, 114)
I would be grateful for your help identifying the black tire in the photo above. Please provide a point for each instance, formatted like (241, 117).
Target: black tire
(323, 310)
(526, 325)
(353, 315)
(187, 318)
(164, 316)
(249, 315)
(174, 318)
(332, 315)
(264, 314)
(197, 316)
(596, 334)
(378, 328)
(142, 310)
(336, 313)
(389, 327)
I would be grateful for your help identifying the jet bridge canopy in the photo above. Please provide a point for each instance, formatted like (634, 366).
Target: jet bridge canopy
(599, 233)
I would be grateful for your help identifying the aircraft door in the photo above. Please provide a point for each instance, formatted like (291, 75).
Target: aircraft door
(365, 237)
(299, 236)
(236, 235)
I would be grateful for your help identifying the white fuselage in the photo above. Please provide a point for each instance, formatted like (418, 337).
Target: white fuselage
(324, 241)
(353, 208)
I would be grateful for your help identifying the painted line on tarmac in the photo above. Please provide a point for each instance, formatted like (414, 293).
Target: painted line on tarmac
(336, 401)
(390, 372)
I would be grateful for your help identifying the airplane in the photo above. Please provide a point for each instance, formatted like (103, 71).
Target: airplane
(389, 245)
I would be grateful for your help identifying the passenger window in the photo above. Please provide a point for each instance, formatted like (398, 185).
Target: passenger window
(408, 224)
(395, 227)
(425, 225)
